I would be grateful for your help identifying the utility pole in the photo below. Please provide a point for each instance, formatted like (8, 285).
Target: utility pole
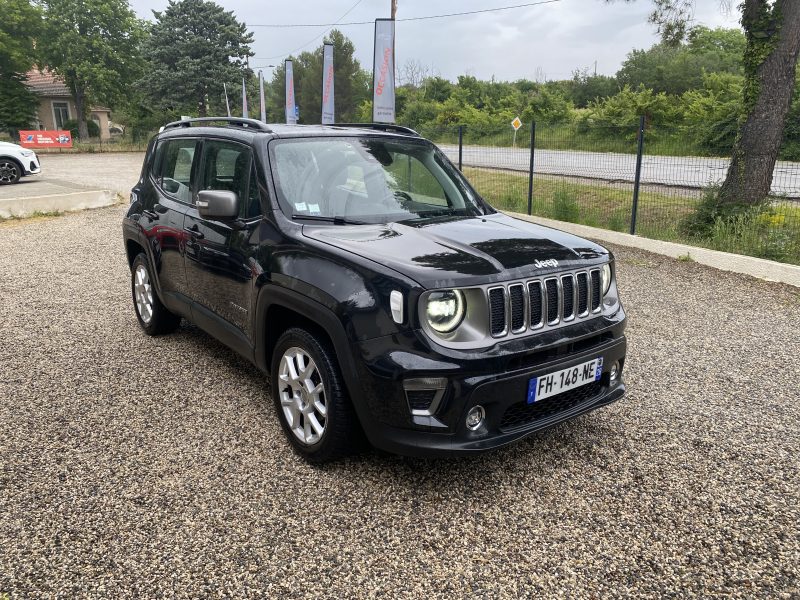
(394, 8)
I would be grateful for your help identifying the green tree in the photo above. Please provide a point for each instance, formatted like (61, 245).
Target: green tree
(93, 46)
(584, 88)
(772, 34)
(679, 67)
(194, 47)
(21, 24)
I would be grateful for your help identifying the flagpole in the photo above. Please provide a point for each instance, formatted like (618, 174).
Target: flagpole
(244, 99)
(227, 105)
(261, 92)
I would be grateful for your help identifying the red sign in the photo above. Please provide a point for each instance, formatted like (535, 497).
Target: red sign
(45, 139)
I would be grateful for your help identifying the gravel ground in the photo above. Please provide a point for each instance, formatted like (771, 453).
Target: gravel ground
(139, 467)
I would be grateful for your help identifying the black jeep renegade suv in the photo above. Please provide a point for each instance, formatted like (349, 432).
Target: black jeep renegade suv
(360, 270)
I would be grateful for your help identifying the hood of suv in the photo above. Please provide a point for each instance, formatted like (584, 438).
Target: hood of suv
(462, 252)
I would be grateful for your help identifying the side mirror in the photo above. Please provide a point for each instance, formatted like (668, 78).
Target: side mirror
(218, 204)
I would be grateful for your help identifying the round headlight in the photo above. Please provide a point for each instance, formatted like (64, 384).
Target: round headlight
(445, 310)
(606, 275)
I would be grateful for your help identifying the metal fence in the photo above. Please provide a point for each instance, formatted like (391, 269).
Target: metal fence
(625, 179)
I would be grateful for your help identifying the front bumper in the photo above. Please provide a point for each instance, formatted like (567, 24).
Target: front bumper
(30, 165)
(497, 382)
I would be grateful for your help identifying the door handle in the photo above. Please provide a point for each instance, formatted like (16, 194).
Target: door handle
(150, 214)
(160, 209)
(194, 232)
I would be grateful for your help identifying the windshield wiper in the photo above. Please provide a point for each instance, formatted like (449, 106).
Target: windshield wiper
(324, 219)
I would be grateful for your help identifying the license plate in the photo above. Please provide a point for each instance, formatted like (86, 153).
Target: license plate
(564, 380)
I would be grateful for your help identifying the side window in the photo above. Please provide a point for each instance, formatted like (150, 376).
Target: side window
(175, 168)
(226, 166)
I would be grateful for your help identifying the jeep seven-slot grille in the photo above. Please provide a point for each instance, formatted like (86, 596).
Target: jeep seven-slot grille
(551, 285)
(535, 301)
(583, 294)
(568, 294)
(497, 311)
(549, 302)
(516, 301)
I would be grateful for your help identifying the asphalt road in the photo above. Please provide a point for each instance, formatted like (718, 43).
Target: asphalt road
(133, 467)
(680, 171)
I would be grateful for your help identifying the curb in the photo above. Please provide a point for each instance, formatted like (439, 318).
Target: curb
(25, 207)
(761, 268)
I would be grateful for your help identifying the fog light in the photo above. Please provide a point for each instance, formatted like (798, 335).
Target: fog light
(614, 373)
(475, 417)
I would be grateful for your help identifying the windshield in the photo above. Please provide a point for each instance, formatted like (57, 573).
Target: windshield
(367, 180)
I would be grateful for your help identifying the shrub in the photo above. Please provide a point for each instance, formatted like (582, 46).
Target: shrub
(72, 126)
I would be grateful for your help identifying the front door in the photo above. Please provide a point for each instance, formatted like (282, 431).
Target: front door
(220, 268)
(165, 201)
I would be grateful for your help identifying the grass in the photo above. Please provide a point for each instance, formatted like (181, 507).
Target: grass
(35, 215)
(773, 233)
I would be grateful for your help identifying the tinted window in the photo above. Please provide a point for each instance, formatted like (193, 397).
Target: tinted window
(175, 168)
(226, 166)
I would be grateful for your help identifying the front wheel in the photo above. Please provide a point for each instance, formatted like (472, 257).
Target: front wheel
(10, 172)
(153, 316)
(310, 399)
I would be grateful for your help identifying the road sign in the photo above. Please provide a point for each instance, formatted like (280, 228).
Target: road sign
(516, 123)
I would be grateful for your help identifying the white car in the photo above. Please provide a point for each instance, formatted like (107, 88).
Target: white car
(17, 162)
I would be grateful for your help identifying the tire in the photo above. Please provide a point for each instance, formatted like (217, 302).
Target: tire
(153, 317)
(298, 412)
(10, 171)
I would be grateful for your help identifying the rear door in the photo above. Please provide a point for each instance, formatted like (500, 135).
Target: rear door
(168, 198)
(220, 267)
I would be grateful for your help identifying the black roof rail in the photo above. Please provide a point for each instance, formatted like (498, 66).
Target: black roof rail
(240, 121)
(388, 127)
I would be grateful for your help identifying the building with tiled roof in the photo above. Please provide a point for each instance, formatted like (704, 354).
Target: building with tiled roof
(56, 106)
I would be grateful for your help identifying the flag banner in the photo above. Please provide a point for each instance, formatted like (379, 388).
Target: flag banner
(327, 85)
(45, 139)
(244, 99)
(261, 97)
(383, 72)
(227, 105)
(291, 111)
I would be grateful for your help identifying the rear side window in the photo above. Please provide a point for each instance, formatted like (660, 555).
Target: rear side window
(175, 168)
(229, 166)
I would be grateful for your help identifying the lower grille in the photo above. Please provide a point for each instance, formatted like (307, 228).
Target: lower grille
(522, 413)
(420, 399)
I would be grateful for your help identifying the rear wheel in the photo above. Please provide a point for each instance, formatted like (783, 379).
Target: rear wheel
(153, 316)
(10, 171)
(310, 398)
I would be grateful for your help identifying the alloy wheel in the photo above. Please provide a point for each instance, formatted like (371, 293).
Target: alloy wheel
(143, 292)
(302, 395)
(9, 172)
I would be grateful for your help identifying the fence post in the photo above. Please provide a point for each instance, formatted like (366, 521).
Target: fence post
(530, 169)
(460, 147)
(638, 176)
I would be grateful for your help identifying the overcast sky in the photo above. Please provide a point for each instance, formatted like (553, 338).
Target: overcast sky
(549, 40)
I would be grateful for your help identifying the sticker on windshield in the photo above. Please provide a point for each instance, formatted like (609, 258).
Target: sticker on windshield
(300, 206)
(313, 208)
